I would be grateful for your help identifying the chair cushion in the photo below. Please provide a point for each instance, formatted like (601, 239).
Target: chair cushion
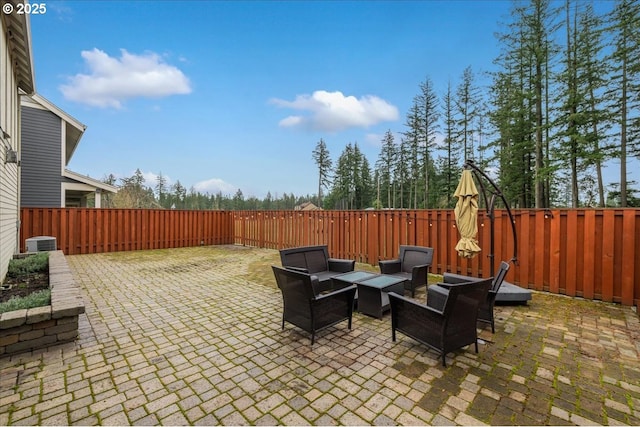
(513, 294)
(411, 259)
(316, 261)
(296, 260)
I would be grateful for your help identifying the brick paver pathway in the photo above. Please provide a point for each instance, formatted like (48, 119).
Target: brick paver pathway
(181, 336)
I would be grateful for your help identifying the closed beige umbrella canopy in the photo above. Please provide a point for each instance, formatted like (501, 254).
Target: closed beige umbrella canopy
(466, 212)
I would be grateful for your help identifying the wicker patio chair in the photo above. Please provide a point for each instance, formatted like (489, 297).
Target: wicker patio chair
(485, 311)
(412, 264)
(309, 309)
(315, 260)
(447, 322)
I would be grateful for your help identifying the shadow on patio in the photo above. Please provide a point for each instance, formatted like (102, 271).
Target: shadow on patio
(192, 336)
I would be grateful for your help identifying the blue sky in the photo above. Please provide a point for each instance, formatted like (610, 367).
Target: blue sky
(235, 95)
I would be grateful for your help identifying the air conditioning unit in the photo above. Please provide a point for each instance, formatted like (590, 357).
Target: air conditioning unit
(41, 243)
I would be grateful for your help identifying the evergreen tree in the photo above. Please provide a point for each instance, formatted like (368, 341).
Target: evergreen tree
(342, 191)
(238, 200)
(467, 101)
(449, 164)
(427, 102)
(624, 23)
(571, 150)
(592, 80)
(179, 195)
(401, 171)
(581, 127)
(323, 160)
(363, 187)
(411, 145)
(384, 165)
(520, 91)
(107, 198)
(161, 190)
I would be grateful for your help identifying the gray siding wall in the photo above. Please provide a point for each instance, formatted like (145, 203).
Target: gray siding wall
(41, 158)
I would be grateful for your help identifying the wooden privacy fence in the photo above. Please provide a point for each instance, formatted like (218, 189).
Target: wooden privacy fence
(87, 230)
(591, 253)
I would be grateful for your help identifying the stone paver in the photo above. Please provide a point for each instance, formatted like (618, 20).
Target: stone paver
(184, 336)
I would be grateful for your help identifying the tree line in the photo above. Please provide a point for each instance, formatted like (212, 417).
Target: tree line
(563, 102)
(133, 192)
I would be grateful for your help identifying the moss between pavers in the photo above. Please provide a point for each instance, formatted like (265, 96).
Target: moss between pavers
(482, 407)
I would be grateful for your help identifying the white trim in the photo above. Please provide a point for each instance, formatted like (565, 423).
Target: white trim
(85, 188)
(63, 146)
(83, 179)
(77, 186)
(20, 46)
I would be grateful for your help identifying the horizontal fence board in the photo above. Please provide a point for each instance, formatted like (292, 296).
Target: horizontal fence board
(589, 253)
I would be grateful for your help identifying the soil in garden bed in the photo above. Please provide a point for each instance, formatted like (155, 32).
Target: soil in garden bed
(23, 286)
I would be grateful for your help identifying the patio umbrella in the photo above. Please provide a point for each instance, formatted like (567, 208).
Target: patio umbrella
(466, 212)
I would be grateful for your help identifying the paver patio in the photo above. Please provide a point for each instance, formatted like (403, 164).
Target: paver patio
(192, 336)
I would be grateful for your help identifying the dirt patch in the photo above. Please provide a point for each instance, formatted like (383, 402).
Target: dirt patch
(23, 286)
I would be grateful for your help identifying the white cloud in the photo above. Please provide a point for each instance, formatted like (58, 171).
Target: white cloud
(333, 111)
(113, 80)
(61, 11)
(151, 180)
(215, 185)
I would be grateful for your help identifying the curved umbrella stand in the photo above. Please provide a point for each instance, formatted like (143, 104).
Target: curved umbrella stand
(489, 195)
(466, 212)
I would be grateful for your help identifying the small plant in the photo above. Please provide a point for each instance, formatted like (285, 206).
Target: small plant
(26, 284)
(35, 299)
(37, 263)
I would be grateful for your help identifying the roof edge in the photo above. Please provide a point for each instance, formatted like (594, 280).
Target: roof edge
(89, 181)
(18, 30)
(44, 102)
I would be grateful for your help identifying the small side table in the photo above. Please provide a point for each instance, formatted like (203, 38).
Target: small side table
(350, 278)
(373, 298)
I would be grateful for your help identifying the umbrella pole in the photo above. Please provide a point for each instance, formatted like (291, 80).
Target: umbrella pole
(492, 228)
(496, 192)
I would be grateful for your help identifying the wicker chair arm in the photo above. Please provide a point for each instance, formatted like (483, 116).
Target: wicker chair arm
(390, 266)
(437, 297)
(458, 278)
(341, 265)
(349, 289)
(433, 313)
(419, 273)
(298, 269)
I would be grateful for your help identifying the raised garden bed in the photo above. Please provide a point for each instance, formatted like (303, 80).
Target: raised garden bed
(40, 327)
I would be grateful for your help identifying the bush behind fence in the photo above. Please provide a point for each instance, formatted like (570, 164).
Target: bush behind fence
(590, 253)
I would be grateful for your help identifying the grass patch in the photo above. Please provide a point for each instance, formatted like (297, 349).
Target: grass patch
(35, 299)
(260, 271)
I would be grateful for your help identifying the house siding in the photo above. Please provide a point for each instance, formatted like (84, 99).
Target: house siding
(41, 165)
(10, 122)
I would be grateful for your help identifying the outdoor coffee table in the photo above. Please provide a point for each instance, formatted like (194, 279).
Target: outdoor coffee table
(373, 299)
(353, 277)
